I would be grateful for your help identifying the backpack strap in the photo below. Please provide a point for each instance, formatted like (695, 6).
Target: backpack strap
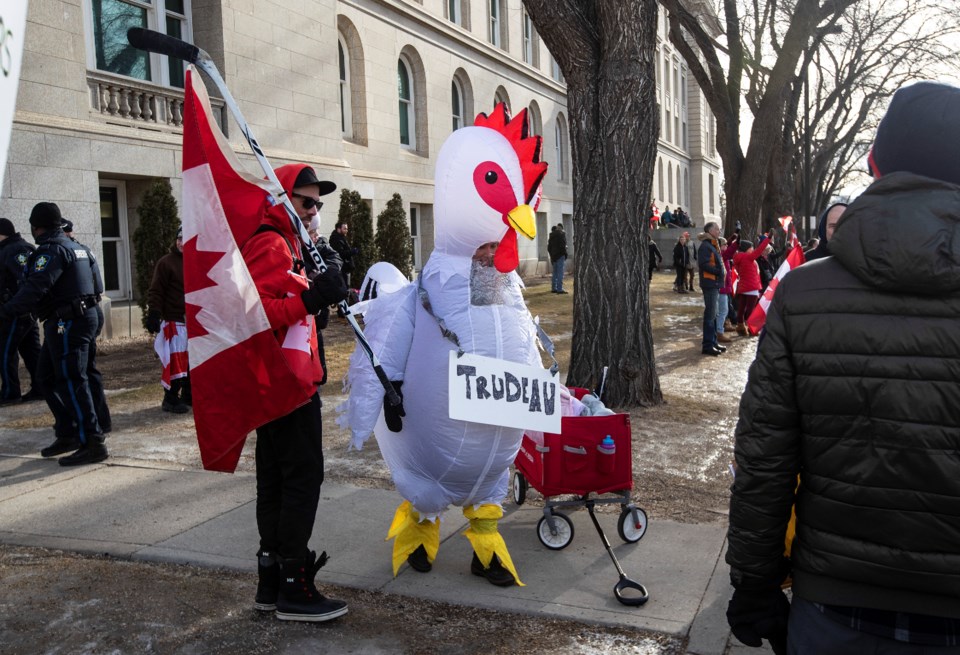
(298, 264)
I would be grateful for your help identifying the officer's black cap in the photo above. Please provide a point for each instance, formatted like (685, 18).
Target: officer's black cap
(6, 227)
(46, 215)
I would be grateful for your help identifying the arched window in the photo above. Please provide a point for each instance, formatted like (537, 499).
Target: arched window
(412, 99)
(500, 96)
(535, 123)
(353, 101)
(660, 179)
(456, 103)
(560, 134)
(461, 83)
(346, 116)
(408, 119)
(669, 182)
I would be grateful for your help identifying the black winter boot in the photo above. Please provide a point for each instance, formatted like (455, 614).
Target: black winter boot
(495, 573)
(60, 446)
(268, 586)
(171, 399)
(186, 392)
(299, 599)
(89, 453)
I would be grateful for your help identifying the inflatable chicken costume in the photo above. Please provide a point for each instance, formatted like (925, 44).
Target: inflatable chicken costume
(487, 187)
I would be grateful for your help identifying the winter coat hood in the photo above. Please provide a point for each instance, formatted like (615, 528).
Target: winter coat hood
(903, 235)
(822, 250)
(277, 216)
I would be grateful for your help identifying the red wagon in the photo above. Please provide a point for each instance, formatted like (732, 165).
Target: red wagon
(575, 463)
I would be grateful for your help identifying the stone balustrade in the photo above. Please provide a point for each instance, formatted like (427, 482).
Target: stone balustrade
(140, 103)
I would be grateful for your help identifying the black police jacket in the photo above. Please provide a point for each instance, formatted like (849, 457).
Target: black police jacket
(59, 273)
(14, 253)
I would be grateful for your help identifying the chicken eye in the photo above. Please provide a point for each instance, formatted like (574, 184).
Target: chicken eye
(490, 177)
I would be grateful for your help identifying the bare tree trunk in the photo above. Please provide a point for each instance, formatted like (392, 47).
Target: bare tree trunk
(605, 49)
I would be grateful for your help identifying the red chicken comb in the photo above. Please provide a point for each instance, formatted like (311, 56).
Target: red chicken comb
(528, 148)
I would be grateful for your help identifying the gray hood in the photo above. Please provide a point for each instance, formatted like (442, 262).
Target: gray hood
(903, 234)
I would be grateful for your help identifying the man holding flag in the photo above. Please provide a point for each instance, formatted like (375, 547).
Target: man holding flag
(253, 349)
(854, 390)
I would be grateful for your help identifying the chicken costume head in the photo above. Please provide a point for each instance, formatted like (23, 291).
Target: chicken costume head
(488, 187)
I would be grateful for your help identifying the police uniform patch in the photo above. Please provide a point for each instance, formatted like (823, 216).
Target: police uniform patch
(22, 259)
(41, 263)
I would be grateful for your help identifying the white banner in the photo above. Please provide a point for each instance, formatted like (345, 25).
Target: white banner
(13, 23)
(498, 392)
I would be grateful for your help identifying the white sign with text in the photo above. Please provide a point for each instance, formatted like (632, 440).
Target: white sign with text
(13, 23)
(498, 392)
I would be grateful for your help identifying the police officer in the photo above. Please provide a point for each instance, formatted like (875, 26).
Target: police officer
(19, 333)
(94, 377)
(63, 284)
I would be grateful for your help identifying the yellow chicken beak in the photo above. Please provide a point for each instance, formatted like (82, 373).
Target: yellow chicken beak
(523, 220)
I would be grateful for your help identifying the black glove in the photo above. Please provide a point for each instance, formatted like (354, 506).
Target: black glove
(326, 289)
(153, 321)
(757, 615)
(393, 413)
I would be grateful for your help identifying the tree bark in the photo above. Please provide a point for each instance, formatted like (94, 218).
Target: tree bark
(605, 49)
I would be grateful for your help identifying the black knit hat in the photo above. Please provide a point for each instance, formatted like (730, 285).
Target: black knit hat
(46, 215)
(920, 132)
(6, 228)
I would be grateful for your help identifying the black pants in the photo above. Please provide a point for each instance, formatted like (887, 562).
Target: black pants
(289, 475)
(679, 283)
(63, 375)
(19, 337)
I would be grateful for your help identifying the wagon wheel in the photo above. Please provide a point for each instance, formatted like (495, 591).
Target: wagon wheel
(519, 488)
(564, 531)
(629, 530)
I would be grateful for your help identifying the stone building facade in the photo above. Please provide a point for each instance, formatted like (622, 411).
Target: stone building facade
(366, 91)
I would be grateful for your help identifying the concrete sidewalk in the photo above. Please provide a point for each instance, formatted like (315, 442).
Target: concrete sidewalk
(207, 519)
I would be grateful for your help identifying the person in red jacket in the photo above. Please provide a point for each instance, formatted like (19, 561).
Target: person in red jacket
(748, 281)
(289, 451)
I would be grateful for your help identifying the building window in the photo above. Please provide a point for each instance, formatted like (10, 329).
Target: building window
(555, 71)
(415, 236)
(713, 207)
(115, 266)
(669, 182)
(560, 134)
(454, 11)
(534, 122)
(408, 124)
(660, 179)
(112, 53)
(456, 102)
(531, 42)
(497, 29)
(461, 84)
(346, 118)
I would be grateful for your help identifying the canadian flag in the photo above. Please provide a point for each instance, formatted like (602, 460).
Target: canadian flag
(239, 375)
(758, 317)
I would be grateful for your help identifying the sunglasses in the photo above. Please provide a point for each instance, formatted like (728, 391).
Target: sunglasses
(308, 202)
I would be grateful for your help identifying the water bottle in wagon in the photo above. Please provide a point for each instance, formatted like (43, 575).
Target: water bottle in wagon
(608, 452)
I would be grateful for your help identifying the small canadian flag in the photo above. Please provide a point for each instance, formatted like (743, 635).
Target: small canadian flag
(758, 317)
(239, 373)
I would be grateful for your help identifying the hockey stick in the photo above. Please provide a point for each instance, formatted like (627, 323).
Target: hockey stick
(153, 41)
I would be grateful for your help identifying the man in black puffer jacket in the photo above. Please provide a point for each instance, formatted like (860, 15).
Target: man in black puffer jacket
(855, 390)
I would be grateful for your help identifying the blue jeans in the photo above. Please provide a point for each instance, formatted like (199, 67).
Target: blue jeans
(723, 308)
(710, 301)
(556, 282)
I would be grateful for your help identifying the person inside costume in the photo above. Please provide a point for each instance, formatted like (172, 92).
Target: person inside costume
(488, 180)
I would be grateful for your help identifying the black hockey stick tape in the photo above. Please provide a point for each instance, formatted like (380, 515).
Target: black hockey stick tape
(152, 41)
